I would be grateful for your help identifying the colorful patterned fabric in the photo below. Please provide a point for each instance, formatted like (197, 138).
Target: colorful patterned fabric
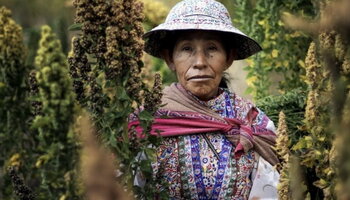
(184, 115)
(192, 169)
(200, 15)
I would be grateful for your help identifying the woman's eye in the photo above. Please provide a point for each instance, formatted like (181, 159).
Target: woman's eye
(186, 48)
(213, 48)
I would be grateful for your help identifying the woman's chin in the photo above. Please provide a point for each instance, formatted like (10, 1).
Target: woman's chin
(203, 93)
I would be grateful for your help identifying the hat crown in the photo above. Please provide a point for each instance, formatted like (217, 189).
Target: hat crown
(199, 9)
(206, 15)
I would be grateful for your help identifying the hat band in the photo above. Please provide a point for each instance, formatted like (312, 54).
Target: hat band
(210, 21)
(208, 16)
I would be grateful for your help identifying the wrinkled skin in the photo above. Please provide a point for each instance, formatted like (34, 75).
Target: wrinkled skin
(199, 59)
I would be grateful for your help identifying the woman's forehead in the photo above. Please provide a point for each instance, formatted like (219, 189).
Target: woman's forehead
(199, 34)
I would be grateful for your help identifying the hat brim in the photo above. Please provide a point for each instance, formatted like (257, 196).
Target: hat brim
(155, 39)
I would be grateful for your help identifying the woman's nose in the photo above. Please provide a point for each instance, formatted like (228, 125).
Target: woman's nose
(200, 60)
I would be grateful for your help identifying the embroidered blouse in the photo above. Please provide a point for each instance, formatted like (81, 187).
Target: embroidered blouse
(203, 166)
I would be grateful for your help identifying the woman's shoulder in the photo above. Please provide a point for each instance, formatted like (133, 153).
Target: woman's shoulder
(243, 105)
(238, 100)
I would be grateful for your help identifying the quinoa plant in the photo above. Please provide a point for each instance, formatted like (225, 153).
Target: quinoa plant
(327, 62)
(282, 144)
(56, 145)
(291, 184)
(21, 190)
(105, 64)
(15, 138)
(12, 79)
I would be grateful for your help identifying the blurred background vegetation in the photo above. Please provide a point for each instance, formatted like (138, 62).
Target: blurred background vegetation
(31, 15)
(59, 15)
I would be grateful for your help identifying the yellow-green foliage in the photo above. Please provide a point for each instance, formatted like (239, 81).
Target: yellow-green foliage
(13, 107)
(317, 145)
(12, 67)
(283, 49)
(11, 39)
(341, 47)
(155, 13)
(346, 65)
(12, 54)
(56, 148)
(11, 42)
(315, 77)
(54, 85)
(325, 119)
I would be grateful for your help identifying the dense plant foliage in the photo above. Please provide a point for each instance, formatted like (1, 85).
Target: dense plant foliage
(315, 117)
(327, 77)
(14, 135)
(56, 144)
(37, 141)
(155, 13)
(283, 49)
(105, 65)
(292, 104)
(12, 79)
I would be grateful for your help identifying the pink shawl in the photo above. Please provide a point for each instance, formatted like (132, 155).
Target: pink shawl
(185, 115)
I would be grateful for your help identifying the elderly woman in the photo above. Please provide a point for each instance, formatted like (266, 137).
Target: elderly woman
(216, 144)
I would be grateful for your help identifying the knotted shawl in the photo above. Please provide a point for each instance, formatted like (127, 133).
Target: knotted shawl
(183, 115)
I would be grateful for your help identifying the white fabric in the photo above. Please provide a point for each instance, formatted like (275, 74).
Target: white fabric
(265, 181)
(271, 126)
(139, 179)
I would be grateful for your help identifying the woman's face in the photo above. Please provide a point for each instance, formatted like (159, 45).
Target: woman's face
(199, 60)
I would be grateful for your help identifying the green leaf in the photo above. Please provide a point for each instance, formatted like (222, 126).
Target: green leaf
(146, 166)
(40, 121)
(113, 141)
(109, 84)
(75, 27)
(301, 144)
(249, 90)
(153, 139)
(145, 116)
(121, 94)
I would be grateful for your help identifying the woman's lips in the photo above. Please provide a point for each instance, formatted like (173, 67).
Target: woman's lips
(200, 78)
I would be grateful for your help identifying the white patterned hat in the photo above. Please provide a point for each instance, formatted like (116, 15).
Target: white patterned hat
(199, 15)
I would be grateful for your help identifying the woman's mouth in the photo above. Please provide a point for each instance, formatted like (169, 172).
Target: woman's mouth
(200, 78)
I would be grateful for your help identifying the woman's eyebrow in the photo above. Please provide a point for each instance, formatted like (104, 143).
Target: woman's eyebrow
(189, 38)
(185, 38)
(211, 37)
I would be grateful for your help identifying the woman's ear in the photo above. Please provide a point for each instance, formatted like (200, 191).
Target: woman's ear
(231, 56)
(165, 53)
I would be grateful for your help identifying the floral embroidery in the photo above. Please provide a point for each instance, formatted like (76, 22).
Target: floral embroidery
(191, 168)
